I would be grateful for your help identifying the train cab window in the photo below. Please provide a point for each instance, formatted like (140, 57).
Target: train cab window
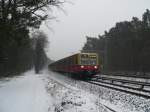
(88, 61)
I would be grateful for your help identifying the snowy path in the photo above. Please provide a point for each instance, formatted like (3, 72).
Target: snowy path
(26, 93)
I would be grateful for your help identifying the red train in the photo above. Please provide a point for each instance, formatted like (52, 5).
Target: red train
(79, 65)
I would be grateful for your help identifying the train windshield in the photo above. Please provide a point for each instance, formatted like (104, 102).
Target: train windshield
(88, 60)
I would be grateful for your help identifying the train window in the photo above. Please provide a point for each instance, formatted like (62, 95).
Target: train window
(84, 55)
(92, 56)
(88, 61)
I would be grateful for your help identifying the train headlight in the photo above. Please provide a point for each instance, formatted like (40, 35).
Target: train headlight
(95, 67)
(82, 66)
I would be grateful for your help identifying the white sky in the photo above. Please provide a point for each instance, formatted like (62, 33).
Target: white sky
(87, 17)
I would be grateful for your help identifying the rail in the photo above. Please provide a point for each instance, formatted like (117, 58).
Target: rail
(142, 84)
(132, 87)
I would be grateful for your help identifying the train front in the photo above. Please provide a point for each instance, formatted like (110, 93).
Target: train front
(89, 64)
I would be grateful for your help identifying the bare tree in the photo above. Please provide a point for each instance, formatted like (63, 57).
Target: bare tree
(26, 12)
(39, 43)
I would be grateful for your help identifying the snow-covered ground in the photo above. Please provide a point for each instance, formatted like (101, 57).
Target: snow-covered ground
(41, 93)
(25, 93)
(52, 92)
(115, 100)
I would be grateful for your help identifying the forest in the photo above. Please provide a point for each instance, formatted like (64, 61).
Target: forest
(125, 47)
(21, 43)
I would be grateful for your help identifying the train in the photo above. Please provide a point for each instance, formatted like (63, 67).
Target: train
(79, 65)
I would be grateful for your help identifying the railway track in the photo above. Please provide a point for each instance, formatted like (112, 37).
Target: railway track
(130, 75)
(110, 109)
(129, 86)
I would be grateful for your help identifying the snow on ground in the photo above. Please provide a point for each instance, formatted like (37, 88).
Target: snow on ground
(52, 92)
(69, 98)
(119, 101)
(40, 93)
(24, 94)
(115, 100)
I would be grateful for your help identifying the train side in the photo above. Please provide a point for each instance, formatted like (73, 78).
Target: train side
(81, 64)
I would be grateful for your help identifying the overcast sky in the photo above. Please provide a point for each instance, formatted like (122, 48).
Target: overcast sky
(87, 18)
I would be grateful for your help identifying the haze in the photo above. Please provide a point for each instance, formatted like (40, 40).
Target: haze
(87, 18)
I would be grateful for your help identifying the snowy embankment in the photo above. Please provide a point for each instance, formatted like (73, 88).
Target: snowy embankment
(69, 98)
(115, 100)
(51, 92)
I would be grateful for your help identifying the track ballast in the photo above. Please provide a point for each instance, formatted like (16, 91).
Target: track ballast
(136, 87)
